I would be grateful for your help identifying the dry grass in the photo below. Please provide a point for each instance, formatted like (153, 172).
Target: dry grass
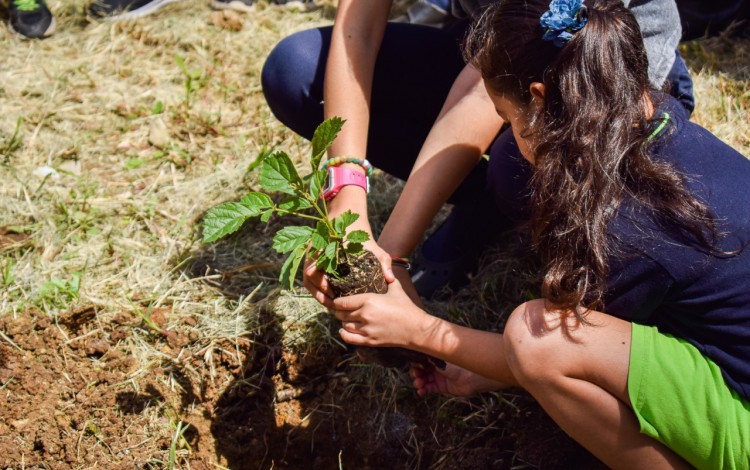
(139, 148)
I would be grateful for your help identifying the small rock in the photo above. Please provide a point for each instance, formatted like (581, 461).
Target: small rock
(158, 134)
(46, 171)
(97, 347)
(19, 424)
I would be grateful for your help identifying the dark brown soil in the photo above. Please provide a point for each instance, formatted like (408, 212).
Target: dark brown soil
(360, 275)
(72, 397)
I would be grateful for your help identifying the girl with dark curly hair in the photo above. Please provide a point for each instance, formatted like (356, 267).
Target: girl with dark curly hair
(639, 347)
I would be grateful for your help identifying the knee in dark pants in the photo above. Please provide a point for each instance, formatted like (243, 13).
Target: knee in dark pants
(292, 80)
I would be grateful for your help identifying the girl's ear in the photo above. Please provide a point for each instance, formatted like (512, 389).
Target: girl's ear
(537, 93)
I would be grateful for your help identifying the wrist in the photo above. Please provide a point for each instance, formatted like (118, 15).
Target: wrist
(401, 262)
(350, 198)
(394, 248)
(426, 328)
(345, 171)
(339, 177)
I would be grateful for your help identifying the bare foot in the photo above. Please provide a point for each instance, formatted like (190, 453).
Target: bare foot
(452, 381)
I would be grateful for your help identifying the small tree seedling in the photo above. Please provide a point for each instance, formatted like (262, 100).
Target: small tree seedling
(328, 241)
(340, 254)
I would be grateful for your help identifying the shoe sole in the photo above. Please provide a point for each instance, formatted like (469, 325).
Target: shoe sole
(235, 5)
(145, 10)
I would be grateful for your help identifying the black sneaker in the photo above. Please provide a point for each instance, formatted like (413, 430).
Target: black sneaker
(244, 6)
(31, 18)
(125, 9)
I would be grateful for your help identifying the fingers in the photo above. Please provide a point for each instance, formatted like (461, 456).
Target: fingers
(350, 326)
(350, 302)
(351, 337)
(311, 271)
(318, 294)
(424, 379)
(387, 270)
(385, 261)
(418, 375)
(317, 284)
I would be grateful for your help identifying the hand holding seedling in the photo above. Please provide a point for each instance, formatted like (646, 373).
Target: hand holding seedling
(316, 281)
(389, 319)
(331, 246)
(328, 242)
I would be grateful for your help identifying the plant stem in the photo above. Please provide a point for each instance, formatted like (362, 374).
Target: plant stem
(323, 212)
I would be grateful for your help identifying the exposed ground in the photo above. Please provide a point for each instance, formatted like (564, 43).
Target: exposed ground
(125, 342)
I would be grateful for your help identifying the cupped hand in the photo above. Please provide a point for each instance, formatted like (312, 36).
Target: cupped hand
(316, 282)
(389, 319)
(452, 380)
(383, 257)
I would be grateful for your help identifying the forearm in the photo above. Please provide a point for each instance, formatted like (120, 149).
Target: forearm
(357, 34)
(465, 128)
(478, 351)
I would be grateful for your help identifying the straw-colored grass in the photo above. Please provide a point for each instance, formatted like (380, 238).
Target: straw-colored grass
(110, 152)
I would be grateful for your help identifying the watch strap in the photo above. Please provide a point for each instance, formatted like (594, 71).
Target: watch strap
(339, 177)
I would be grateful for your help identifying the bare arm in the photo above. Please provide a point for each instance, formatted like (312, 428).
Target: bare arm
(465, 128)
(392, 319)
(357, 35)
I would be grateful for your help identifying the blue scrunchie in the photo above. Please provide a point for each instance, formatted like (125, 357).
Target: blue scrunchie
(563, 18)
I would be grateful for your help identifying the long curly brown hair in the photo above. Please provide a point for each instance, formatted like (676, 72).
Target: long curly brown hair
(592, 139)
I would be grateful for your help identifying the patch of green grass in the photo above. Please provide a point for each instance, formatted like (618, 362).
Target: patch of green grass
(12, 144)
(194, 80)
(59, 292)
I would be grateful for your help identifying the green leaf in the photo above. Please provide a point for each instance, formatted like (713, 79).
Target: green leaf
(227, 218)
(291, 266)
(354, 248)
(224, 219)
(294, 204)
(323, 137)
(317, 181)
(181, 63)
(157, 108)
(328, 261)
(266, 216)
(133, 163)
(341, 222)
(278, 174)
(256, 202)
(357, 236)
(320, 237)
(289, 238)
(262, 155)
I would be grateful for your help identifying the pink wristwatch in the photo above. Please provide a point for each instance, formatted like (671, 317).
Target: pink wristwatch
(339, 177)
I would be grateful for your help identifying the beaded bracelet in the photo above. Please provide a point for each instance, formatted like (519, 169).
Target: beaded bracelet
(337, 161)
(403, 262)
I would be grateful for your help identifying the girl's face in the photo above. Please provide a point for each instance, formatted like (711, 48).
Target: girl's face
(519, 117)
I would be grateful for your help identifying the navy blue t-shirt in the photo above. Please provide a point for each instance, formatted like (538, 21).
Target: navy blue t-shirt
(684, 291)
(657, 279)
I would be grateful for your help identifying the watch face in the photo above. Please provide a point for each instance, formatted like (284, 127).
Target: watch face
(330, 183)
(328, 188)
